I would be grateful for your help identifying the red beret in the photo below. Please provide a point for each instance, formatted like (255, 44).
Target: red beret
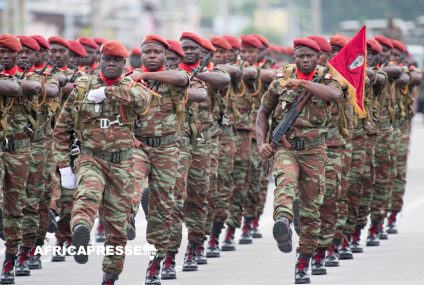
(99, 41)
(114, 48)
(29, 42)
(76, 47)
(338, 40)
(399, 45)
(384, 41)
(221, 43)
(287, 50)
(88, 42)
(208, 45)
(175, 46)
(58, 40)
(262, 39)
(42, 42)
(156, 39)
(321, 42)
(305, 42)
(136, 51)
(11, 42)
(274, 48)
(234, 42)
(374, 45)
(193, 37)
(250, 41)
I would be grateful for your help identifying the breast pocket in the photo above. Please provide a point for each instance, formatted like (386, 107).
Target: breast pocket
(316, 111)
(285, 102)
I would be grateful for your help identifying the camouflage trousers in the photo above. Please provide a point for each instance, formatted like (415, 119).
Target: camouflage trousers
(356, 175)
(222, 196)
(383, 161)
(141, 177)
(303, 172)
(393, 171)
(111, 186)
(241, 168)
(180, 195)
(16, 167)
(196, 204)
(367, 182)
(399, 183)
(161, 168)
(34, 188)
(342, 205)
(46, 195)
(328, 209)
(258, 185)
(65, 203)
(213, 183)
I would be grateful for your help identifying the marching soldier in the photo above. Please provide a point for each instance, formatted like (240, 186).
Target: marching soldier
(304, 156)
(101, 112)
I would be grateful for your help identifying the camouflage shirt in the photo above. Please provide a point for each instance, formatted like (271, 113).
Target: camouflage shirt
(125, 99)
(311, 121)
(161, 118)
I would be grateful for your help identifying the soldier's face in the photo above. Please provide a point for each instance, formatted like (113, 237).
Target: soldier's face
(323, 58)
(153, 56)
(306, 59)
(249, 54)
(25, 56)
(191, 51)
(203, 53)
(59, 55)
(112, 66)
(74, 60)
(7, 57)
(135, 60)
(91, 56)
(220, 56)
(385, 54)
(172, 59)
(372, 58)
(335, 50)
(232, 55)
(40, 56)
(396, 56)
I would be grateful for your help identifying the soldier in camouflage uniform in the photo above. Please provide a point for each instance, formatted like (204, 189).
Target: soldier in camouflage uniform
(377, 81)
(59, 55)
(306, 156)
(18, 89)
(372, 105)
(196, 205)
(158, 133)
(89, 64)
(383, 142)
(335, 141)
(37, 159)
(101, 112)
(402, 126)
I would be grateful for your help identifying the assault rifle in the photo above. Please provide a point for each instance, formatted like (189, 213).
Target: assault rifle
(285, 126)
(199, 69)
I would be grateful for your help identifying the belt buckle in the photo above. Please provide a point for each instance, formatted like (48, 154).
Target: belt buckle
(75, 150)
(105, 123)
(154, 142)
(300, 144)
(116, 157)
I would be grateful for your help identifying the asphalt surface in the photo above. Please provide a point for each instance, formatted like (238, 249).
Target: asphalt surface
(398, 260)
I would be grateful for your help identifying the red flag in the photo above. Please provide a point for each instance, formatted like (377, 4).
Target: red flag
(348, 67)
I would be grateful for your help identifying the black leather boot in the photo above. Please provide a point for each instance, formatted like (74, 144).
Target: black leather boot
(302, 269)
(109, 278)
(246, 237)
(282, 234)
(189, 260)
(356, 238)
(318, 262)
(8, 273)
(228, 244)
(152, 274)
(168, 268)
(21, 266)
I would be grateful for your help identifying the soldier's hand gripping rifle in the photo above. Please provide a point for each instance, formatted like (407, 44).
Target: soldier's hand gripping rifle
(24, 73)
(199, 69)
(285, 126)
(156, 83)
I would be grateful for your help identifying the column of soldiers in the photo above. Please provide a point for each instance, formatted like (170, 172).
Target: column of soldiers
(86, 135)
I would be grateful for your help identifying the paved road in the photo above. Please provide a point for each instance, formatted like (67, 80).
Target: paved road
(398, 260)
